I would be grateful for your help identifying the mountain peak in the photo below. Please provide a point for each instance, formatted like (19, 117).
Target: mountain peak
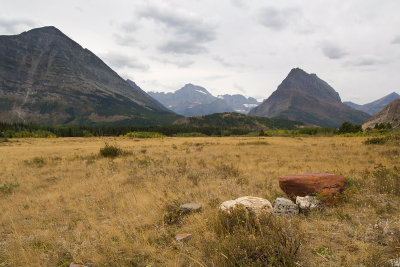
(49, 78)
(305, 97)
(45, 30)
(310, 83)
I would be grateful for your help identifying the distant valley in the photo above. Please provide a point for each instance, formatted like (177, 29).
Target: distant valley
(375, 106)
(193, 100)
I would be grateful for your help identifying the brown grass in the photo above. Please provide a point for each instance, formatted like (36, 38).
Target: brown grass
(73, 206)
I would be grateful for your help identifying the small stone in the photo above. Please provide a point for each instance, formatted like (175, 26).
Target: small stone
(308, 203)
(285, 207)
(182, 237)
(77, 265)
(190, 207)
(252, 204)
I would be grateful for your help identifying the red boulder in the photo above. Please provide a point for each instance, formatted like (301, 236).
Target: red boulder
(311, 184)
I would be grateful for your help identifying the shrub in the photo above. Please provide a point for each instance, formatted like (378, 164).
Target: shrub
(348, 127)
(173, 214)
(8, 188)
(254, 143)
(192, 134)
(387, 181)
(144, 135)
(246, 240)
(376, 141)
(3, 139)
(110, 151)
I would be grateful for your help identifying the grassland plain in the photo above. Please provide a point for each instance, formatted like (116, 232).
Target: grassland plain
(61, 202)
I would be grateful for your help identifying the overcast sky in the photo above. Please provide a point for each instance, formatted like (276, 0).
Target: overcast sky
(230, 46)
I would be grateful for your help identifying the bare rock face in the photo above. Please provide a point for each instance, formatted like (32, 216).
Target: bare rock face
(285, 207)
(252, 204)
(390, 114)
(310, 184)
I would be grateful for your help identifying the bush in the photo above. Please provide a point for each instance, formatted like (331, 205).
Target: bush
(110, 151)
(348, 127)
(8, 188)
(246, 240)
(387, 181)
(144, 135)
(192, 134)
(173, 214)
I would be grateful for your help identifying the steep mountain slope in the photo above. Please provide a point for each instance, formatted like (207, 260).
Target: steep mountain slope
(237, 121)
(375, 106)
(193, 100)
(389, 114)
(47, 78)
(305, 97)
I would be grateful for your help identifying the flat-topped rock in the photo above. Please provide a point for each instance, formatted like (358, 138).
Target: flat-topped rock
(311, 184)
(182, 237)
(285, 207)
(252, 204)
(190, 207)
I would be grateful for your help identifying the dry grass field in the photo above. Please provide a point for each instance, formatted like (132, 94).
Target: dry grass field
(61, 202)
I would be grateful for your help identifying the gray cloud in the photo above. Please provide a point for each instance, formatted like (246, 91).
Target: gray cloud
(182, 47)
(365, 61)
(177, 62)
(226, 63)
(239, 4)
(277, 19)
(125, 39)
(15, 25)
(223, 62)
(332, 51)
(396, 40)
(123, 61)
(190, 32)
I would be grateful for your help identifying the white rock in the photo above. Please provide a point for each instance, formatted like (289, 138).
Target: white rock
(255, 204)
(395, 262)
(308, 203)
(285, 207)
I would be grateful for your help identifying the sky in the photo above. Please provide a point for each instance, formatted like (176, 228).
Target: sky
(230, 46)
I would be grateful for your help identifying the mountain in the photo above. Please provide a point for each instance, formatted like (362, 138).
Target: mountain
(47, 78)
(240, 103)
(193, 100)
(237, 121)
(305, 97)
(375, 106)
(389, 114)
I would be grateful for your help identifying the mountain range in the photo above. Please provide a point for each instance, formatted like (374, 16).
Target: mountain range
(194, 100)
(305, 97)
(375, 106)
(47, 78)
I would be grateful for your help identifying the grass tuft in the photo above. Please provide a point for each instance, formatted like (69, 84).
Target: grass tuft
(246, 240)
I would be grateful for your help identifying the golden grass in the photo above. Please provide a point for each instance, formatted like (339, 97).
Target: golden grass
(73, 206)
